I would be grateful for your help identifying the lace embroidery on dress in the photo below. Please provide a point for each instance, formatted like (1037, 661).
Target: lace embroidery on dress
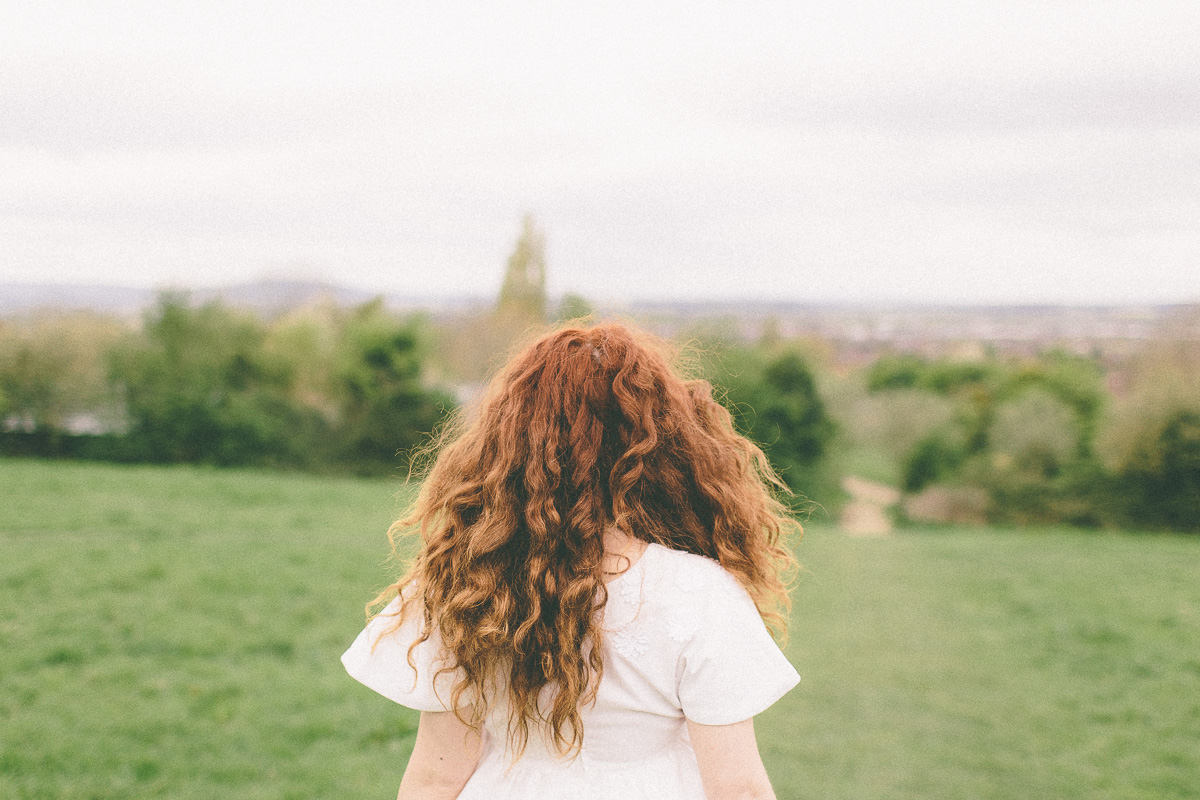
(631, 641)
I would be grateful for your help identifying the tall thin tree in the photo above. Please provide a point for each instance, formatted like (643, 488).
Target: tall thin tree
(523, 293)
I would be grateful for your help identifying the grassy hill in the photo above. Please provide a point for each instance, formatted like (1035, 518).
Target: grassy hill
(175, 632)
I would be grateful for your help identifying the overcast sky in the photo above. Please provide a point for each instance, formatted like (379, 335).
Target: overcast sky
(835, 151)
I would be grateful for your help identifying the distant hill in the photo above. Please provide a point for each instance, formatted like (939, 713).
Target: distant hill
(277, 296)
(267, 297)
(20, 297)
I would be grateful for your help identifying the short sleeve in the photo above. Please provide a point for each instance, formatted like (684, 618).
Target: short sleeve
(731, 669)
(378, 659)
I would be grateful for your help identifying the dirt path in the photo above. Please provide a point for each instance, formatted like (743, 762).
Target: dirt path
(867, 512)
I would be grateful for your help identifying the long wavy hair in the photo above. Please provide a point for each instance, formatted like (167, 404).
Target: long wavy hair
(585, 429)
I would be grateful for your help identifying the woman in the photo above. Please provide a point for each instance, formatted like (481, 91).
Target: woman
(585, 618)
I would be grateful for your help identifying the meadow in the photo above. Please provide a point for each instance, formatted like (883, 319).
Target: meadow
(175, 632)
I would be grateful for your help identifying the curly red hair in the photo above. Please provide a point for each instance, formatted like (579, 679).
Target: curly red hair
(586, 428)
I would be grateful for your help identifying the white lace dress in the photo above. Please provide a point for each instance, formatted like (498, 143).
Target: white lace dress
(684, 642)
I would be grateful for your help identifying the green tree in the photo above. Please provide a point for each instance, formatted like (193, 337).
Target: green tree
(523, 292)
(1160, 477)
(975, 387)
(52, 369)
(470, 347)
(197, 388)
(774, 400)
(1150, 433)
(385, 406)
(1023, 430)
(1075, 381)
(933, 459)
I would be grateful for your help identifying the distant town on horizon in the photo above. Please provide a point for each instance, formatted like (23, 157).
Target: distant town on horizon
(855, 331)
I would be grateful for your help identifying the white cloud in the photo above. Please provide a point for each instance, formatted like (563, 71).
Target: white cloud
(972, 151)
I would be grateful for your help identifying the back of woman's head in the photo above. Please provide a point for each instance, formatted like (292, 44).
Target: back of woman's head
(585, 429)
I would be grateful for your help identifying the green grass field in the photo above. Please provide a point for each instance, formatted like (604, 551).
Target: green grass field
(174, 632)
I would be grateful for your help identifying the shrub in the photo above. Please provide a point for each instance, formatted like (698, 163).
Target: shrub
(197, 388)
(889, 424)
(52, 372)
(385, 407)
(1037, 431)
(774, 401)
(1160, 479)
(935, 458)
(1079, 493)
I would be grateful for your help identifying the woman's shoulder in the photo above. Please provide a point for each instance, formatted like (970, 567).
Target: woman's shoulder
(691, 572)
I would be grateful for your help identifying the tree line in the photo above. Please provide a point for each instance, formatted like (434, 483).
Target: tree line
(322, 388)
(998, 439)
(1045, 440)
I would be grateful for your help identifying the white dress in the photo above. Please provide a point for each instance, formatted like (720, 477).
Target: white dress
(683, 642)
